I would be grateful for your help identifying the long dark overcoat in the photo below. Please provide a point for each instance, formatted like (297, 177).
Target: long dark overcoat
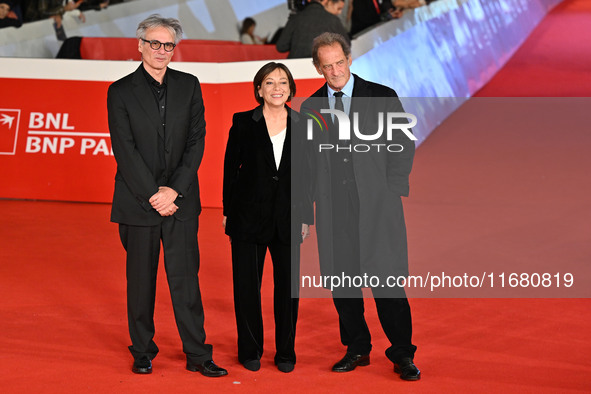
(381, 178)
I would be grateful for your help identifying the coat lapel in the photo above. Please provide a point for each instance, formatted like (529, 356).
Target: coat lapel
(360, 107)
(262, 136)
(145, 97)
(320, 101)
(174, 99)
(285, 163)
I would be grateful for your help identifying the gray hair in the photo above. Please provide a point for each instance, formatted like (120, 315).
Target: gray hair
(328, 39)
(173, 25)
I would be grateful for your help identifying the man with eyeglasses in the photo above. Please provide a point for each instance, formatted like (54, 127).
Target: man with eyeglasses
(157, 126)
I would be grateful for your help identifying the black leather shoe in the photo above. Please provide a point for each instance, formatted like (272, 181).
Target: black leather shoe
(285, 366)
(350, 362)
(207, 368)
(407, 369)
(252, 365)
(142, 366)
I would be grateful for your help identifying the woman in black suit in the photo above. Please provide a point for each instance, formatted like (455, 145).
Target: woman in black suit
(258, 215)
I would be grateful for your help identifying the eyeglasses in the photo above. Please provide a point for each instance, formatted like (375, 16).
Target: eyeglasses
(155, 45)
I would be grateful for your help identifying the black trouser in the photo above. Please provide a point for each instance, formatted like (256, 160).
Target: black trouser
(395, 318)
(181, 261)
(391, 303)
(247, 265)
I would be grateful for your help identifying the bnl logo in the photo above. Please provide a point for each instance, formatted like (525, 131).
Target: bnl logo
(9, 122)
(345, 130)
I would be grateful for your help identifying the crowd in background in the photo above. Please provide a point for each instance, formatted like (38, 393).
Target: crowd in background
(346, 17)
(309, 18)
(16, 12)
(357, 15)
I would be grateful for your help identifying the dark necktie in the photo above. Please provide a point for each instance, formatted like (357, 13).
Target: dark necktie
(338, 104)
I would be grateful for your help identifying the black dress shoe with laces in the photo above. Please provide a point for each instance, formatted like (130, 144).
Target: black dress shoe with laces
(207, 368)
(142, 366)
(350, 362)
(407, 369)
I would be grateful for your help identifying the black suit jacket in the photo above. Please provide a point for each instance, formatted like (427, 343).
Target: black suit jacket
(138, 137)
(381, 179)
(257, 195)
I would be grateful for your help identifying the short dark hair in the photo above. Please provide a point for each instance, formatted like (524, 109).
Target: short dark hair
(328, 39)
(266, 70)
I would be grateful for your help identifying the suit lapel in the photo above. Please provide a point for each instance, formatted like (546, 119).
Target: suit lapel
(174, 100)
(262, 136)
(145, 97)
(286, 154)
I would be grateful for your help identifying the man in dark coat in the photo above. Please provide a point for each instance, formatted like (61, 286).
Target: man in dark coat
(302, 27)
(359, 217)
(157, 126)
(365, 13)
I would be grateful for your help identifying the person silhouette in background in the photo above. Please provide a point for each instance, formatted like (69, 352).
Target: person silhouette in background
(303, 26)
(247, 35)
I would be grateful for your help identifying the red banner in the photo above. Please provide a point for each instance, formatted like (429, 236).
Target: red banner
(55, 145)
(110, 48)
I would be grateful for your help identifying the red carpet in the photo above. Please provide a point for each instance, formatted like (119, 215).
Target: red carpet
(64, 323)
(473, 198)
(555, 59)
